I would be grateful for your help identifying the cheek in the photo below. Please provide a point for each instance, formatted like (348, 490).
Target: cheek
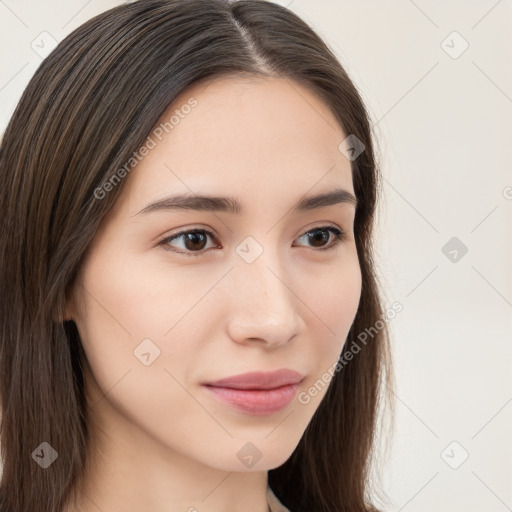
(342, 298)
(335, 301)
(335, 306)
(137, 335)
(137, 312)
(132, 298)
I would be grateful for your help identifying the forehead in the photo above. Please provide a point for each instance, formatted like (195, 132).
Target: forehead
(262, 137)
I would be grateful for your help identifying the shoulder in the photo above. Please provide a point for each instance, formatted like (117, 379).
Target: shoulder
(273, 501)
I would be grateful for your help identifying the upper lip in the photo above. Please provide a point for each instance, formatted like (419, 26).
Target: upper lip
(259, 380)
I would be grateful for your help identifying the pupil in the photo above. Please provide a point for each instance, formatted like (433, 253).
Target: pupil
(320, 235)
(192, 237)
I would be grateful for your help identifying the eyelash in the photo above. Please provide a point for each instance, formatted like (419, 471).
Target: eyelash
(339, 236)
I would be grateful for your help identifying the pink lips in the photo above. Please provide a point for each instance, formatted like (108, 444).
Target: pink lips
(257, 393)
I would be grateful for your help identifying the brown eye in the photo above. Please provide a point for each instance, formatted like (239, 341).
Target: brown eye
(194, 242)
(320, 236)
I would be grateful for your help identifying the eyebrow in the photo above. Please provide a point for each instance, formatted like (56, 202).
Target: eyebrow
(203, 203)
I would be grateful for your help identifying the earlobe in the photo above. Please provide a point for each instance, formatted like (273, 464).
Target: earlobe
(68, 311)
(61, 319)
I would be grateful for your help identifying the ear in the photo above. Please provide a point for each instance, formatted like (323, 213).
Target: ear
(60, 319)
(68, 313)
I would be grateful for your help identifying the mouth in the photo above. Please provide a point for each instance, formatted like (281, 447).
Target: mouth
(257, 393)
(255, 401)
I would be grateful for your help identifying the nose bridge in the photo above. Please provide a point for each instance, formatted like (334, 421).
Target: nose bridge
(264, 305)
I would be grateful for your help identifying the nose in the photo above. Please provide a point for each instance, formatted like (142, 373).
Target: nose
(263, 305)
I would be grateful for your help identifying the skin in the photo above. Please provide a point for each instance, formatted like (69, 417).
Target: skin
(161, 442)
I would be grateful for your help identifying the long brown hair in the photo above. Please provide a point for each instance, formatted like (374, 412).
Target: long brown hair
(90, 105)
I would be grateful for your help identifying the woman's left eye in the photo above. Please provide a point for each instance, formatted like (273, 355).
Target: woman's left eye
(194, 239)
(323, 233)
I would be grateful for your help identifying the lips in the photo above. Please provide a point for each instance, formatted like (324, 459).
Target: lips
(257, 393)
(259, 380)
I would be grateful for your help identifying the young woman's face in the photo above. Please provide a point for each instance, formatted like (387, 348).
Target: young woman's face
(160, 313)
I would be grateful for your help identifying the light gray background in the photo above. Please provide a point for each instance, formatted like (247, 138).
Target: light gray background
(444, 125)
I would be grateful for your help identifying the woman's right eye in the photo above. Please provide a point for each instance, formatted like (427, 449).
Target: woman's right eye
(193, 240)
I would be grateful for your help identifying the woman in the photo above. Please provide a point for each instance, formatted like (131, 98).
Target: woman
(189, 189)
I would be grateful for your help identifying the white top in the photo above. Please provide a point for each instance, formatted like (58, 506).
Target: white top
(274, 503)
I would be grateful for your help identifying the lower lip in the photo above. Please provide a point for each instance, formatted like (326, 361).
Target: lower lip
(256, 401)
